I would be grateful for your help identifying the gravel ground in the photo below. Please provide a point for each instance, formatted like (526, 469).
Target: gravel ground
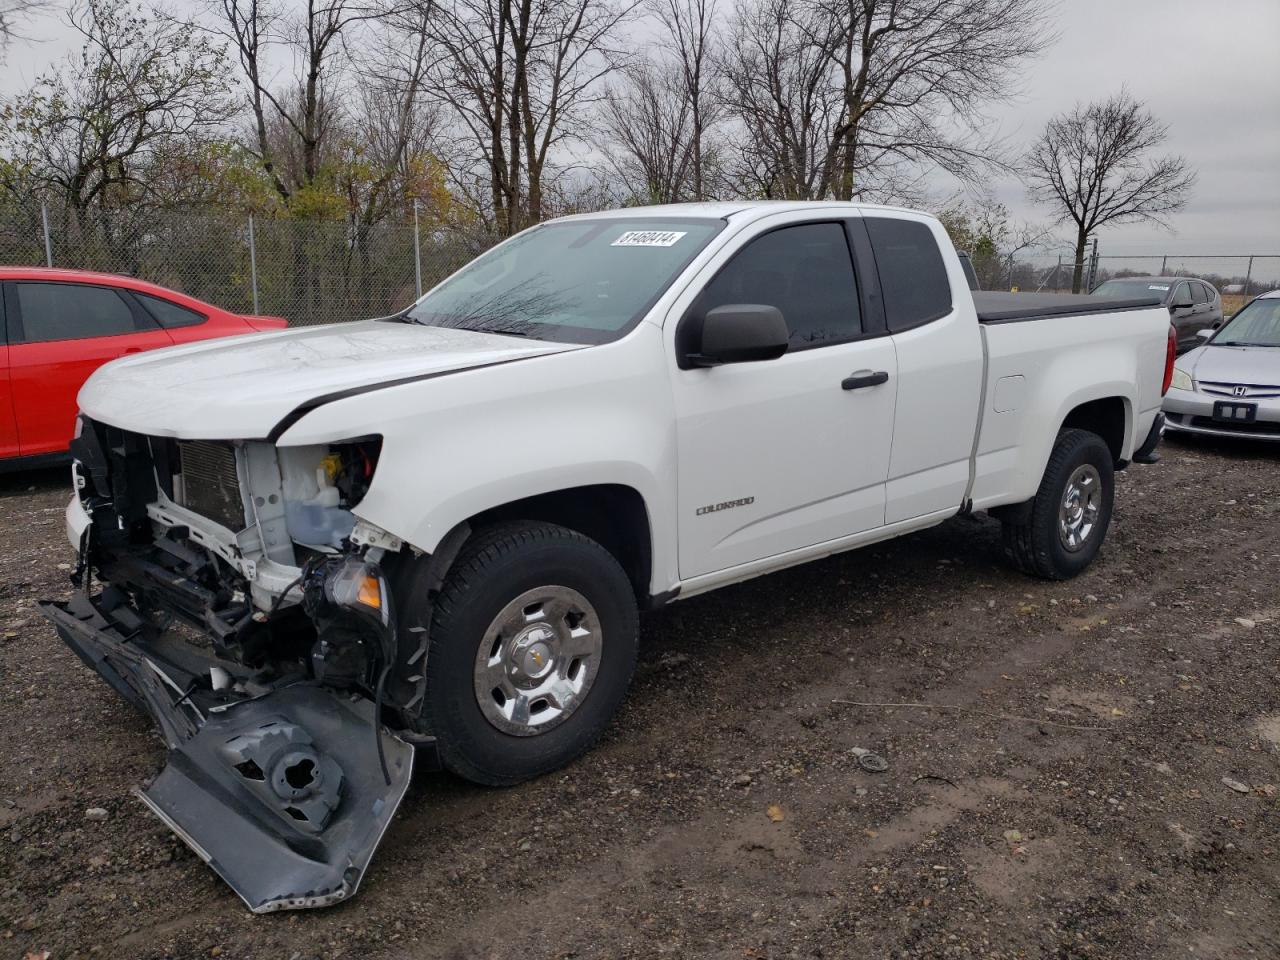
(1072, 804)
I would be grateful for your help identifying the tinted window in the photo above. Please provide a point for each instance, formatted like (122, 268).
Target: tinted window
(912, 275)
(167, 313)
(1181, 293)
(805, 271)
(1203, 293)
(72, 311)
(1133, 289)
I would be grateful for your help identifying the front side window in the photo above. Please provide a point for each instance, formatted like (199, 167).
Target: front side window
(913, 277)
(805, 271)
(581, 281)
(1181, 293)
(1257, 325)
(72, 311)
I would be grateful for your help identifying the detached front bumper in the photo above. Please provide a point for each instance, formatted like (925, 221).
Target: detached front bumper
(279, 789)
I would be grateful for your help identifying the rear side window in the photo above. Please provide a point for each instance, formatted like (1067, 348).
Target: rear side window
(167, 313)
(913, 277)
(1200, 293)
(806, 272)
(73, 311)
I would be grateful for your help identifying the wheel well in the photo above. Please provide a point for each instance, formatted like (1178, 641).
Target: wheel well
(612, 515)
(1106, 418)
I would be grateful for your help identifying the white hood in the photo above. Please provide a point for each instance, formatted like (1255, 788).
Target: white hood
(241, 387)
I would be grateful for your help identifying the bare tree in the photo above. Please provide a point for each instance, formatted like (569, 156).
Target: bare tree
(1094, 166)
(518, 76)
(15, 12)
(297, 120)
(784, 98)
(92, 129)
(689, 25)
(915, 77)
(649, 127)
(882, 88)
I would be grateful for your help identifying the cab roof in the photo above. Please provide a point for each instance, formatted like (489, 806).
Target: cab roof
(723, 210)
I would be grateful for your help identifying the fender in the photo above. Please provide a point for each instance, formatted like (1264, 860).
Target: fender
(458, 445)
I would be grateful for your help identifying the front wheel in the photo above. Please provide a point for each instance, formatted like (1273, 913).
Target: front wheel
(533, 643)
(1067, 520)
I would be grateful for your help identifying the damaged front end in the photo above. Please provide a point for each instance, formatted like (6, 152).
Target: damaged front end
(246, 610)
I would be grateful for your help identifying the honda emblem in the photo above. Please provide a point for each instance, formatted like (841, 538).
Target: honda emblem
(1241, 391)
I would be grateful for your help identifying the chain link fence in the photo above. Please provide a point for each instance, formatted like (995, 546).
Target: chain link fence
(307, 271)
(318, 271)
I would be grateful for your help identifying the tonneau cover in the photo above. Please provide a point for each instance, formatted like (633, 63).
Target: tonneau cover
(997, 307)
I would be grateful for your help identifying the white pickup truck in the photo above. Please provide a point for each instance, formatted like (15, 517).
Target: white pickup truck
(325, 549)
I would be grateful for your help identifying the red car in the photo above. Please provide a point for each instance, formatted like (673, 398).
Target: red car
(59, 326)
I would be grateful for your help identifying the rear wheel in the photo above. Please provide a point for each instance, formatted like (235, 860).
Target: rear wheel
(533, 643)
(1062, 529)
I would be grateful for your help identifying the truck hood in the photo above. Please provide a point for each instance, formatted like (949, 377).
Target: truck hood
(1247, 365)
(242, 387)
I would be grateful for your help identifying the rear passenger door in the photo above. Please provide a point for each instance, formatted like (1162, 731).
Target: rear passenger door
(59, 334)
(778, 455)
(940, 367)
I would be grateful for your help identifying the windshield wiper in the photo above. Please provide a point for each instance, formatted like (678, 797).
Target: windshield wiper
(1242, 343)
(501, 331)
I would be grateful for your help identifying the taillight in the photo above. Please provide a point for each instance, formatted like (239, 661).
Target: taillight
(1170, 354)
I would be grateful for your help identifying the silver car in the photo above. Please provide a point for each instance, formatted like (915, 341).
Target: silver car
(1230, 385)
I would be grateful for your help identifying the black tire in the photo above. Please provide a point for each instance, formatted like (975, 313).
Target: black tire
(497, 565)
(1031, 535)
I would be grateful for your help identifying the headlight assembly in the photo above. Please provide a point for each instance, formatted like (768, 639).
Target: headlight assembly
(1181, 380)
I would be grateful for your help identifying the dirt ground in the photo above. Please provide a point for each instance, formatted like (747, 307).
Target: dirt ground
(1072, 805)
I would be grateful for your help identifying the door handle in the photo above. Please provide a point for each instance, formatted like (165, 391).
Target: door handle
(864, 378)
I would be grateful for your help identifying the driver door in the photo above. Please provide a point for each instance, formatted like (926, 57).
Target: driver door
(778, 455)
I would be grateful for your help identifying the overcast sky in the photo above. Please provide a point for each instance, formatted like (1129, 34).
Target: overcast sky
(1210, 70)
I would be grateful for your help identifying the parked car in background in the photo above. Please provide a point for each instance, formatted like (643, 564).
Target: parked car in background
(1193, 304)
(1230, 386)
(58, 326)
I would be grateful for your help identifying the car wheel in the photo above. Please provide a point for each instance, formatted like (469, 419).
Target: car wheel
(532, 645)
(1061, 533)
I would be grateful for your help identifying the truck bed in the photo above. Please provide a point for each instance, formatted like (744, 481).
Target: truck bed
(997, 307)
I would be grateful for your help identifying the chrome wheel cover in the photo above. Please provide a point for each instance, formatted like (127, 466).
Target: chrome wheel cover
(537, 660)
(1081, 501)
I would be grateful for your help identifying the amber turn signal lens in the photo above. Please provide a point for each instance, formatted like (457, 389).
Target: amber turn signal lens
(369, 593)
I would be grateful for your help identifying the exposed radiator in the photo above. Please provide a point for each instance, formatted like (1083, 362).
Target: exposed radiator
(210, 484)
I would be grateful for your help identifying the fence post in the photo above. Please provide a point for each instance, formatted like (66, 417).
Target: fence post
(1164, 262)
(253, 265)
(48, 243)
(417, 253)
(1248, 275)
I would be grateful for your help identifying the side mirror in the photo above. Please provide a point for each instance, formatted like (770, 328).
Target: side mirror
(1204, 334)
(737, 333)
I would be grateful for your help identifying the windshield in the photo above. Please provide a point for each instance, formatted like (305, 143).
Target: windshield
(582, 281)
(1257, 325)
(1133, 289)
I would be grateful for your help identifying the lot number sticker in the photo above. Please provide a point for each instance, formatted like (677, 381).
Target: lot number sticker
(649, 238)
